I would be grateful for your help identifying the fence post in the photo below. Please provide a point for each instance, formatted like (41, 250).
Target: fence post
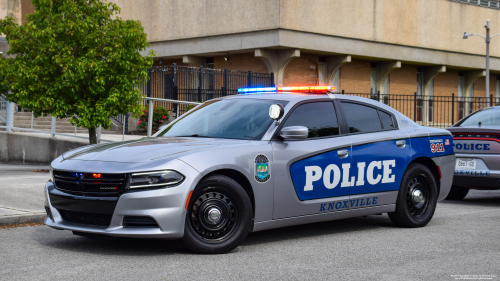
(452, 108)
(175, 93)
(200, 84)
(150, 118)
(378, 95)
(226, 80)
(53, 127)
(249, 78)
(491, 100)
(10, 116)
(149, 83)
(342, 92)
(272, 79)
(415, 107)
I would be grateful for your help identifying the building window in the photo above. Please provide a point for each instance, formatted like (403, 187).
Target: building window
(496, 100)
(492, 4)
(461, 90)
(420, 92)
(373, 79)
(431, 101)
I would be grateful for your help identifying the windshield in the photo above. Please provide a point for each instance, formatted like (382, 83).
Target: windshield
(246, 119)
(487, 117)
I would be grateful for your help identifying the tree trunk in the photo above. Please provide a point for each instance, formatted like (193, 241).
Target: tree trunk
(92, 136)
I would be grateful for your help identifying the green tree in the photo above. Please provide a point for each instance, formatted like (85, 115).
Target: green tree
(77, 59)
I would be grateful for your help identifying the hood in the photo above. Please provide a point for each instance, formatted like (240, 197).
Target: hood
(143, 150)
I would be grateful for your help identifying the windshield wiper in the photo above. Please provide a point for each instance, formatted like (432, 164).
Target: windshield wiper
(193, 136)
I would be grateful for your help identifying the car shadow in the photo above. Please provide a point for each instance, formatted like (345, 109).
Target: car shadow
(483, 198)
(107, 245)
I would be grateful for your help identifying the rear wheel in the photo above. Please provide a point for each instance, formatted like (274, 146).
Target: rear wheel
(219, 216)
(417, 198)
(457, 193)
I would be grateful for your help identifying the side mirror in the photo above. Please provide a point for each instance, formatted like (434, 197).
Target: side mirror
(294, 133)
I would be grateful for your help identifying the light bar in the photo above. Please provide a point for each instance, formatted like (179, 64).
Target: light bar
(287, 89)
(248, 90)
(306, 88)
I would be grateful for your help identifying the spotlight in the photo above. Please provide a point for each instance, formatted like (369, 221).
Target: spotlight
(226, 58)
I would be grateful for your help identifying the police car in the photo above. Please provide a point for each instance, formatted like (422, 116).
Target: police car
(477, 144)
(263, 159)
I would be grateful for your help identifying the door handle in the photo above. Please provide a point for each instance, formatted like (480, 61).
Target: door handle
(343, 153)
(401, 143)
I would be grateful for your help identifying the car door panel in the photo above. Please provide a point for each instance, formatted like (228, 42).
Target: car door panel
(290, 179)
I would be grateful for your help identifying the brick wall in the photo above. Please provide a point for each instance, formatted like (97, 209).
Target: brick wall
(403, 81)
(302, 71)
(480, 86)
(446, 83)
(355, 77)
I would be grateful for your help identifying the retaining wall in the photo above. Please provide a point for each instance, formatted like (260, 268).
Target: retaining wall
(23, 149)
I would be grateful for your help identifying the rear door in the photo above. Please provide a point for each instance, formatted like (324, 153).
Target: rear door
(380, 154)
(311, 175)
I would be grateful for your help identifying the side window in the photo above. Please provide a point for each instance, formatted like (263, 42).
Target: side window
(360, 118)
(386, 120)
(318, 117)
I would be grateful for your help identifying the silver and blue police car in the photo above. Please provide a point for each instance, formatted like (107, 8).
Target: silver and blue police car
(476, 139)
(267, 158)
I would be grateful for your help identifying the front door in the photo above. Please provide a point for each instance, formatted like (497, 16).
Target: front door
(312, 175)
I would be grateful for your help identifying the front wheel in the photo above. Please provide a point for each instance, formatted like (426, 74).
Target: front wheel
(219, 216)
(417, 198)
(457, 193)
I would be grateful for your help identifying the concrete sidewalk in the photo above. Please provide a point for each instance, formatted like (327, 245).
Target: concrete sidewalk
(21, 194)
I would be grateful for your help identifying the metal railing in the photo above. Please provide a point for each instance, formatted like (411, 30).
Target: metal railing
(3, 109)
(482, 3)
(433, 111)
(151, 102)
(198, 84)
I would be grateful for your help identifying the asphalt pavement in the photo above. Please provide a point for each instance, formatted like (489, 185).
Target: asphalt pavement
(460, 243)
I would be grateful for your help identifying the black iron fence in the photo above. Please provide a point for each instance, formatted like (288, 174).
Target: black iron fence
(198, 84)
(433, 111)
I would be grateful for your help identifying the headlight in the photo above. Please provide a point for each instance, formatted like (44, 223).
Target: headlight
(154, 179)
(51, 171)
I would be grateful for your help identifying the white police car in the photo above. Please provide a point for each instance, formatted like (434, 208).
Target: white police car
(263, 159)
(477, 143)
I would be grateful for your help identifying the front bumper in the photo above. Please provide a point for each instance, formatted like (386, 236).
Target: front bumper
(481, 178)
(166, 206)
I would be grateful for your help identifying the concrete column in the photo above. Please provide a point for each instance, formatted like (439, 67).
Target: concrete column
(430, 72)
(383, 70)
(470, 77)
(333, 65)
(276, 61)
(193, 61)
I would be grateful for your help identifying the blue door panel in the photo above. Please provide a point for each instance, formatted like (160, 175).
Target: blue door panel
(379, 166)
(322, 176)
(432, 146)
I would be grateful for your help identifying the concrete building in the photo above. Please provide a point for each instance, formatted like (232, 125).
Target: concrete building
(395, 47)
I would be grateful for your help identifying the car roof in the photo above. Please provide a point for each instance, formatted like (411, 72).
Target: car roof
(298, 96)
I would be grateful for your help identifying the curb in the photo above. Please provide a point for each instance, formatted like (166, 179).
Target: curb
(22, 219)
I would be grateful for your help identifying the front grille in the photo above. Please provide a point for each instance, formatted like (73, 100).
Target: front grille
(86, 218)
(88, 183)
(139, 221)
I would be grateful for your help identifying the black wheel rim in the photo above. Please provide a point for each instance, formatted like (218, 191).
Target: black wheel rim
(418, 196)
(213, 217)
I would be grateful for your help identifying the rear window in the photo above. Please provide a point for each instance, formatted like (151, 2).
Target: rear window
(487, 117)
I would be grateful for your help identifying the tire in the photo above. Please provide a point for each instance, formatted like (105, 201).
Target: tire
(417, 198)
(219, 216)
(457, 193)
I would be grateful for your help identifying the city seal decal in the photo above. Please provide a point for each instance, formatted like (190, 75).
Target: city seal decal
(262, 173)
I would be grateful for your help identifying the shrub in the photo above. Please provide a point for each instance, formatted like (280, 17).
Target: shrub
(160, 118)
